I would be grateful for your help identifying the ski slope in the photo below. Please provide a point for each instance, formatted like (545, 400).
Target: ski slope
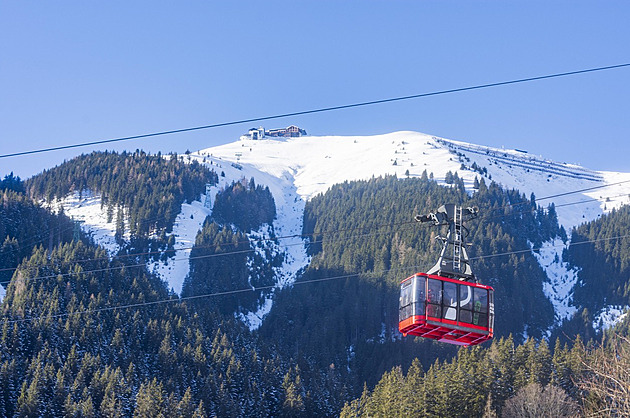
(314, 164)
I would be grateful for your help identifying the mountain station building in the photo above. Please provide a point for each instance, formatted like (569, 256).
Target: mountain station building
(288, 132)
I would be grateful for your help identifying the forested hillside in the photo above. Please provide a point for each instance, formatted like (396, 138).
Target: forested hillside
(508, 379)
(24, 225)
(361, 232)
(604, 263)
(68, 345)
(150, 188)
(245, 205)
(478, 380)
(66, 350)
(223, 259)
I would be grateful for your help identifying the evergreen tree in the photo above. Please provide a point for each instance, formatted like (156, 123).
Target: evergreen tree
(11, 182)
(293, 404)
(150, 400)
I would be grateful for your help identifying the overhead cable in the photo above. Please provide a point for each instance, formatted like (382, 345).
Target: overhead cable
(253, 289)
(318, 110)
(301, 236)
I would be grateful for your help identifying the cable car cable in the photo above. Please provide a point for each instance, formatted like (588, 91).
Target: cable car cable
(481, 257)
(185, 298)
(318, 110)
(344, 230)
(109, 268)
(236, 291)
(252, 241)
(234, 252)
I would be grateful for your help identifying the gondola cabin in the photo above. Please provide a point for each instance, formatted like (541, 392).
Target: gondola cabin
(444, 309)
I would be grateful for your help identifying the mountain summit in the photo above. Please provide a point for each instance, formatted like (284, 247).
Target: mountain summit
(312, 164)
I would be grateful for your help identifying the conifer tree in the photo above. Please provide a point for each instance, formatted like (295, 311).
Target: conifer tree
(150, 400)
(293, 404)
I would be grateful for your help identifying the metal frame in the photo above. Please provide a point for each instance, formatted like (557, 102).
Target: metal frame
(453, 261)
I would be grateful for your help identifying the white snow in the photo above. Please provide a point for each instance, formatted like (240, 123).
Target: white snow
(610, 316)
(534, 174)
(559, 288)
(289, 213)
(188, 222)
(254, 320)
(314, 164)
(86, 208)
(294, 258)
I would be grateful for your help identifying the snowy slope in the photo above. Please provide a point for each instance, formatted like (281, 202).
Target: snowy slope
(86, 208)
(297, 169)
(610, 316)
(314, 164)
(560, 277)
(188, 222)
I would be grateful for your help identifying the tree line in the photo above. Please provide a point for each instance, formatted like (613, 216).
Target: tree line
(149, 188)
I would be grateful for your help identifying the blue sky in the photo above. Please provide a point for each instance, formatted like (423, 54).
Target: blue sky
(79, 71)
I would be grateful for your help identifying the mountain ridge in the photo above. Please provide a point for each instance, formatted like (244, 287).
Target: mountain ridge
(318, 162)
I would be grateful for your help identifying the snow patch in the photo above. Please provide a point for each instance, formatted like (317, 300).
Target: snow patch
(254, 320)
(610, 316)
(86, 208)
(562, 278)
(187, 223)
(294, 259)
(531, 173)
(287, 227)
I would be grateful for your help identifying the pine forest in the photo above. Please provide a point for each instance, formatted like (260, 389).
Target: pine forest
(88, 333)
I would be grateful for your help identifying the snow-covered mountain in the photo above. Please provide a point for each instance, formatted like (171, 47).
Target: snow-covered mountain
(314, 164)
(296, 169)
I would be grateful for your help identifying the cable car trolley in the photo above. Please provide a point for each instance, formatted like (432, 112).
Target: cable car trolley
(447, 303)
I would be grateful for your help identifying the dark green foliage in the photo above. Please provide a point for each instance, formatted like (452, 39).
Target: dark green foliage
(321, 343)
(11, 182)
(56, 361)
(150, 187)
(212, 272)
(604, 265)
(579, 325)
(352, 233)
(24, 225)
(157, 358)
(385, 254)
(162, 358)
(245, 205)
(478, 379)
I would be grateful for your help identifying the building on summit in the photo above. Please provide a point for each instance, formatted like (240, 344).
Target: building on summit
(288, 132)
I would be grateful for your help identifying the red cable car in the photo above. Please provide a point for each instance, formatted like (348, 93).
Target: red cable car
(447, 310)
(445, 304)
